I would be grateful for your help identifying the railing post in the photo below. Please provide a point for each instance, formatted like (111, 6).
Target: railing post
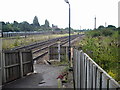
(74, 57)
(78, 69)
(32, 62)
(94, 76)
(85, 72)
(21, 64)
(82, 71)
(87, 77)
(91, 75)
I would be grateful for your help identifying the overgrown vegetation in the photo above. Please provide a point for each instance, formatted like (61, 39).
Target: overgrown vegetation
(103, 46)
(18, 41)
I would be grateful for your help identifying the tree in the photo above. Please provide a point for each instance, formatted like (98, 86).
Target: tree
(15, 23)
(101, 27)
(35, 22)
(7, 27)
(47, 23)
(16, 26)
(25, 26)
(111, 26)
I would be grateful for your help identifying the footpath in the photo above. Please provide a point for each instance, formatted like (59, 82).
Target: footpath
(44, 77)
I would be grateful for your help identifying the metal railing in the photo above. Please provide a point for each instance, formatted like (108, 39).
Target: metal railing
(12, 34)
(87, 74)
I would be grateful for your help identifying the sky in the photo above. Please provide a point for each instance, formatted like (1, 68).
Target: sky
(56, 12)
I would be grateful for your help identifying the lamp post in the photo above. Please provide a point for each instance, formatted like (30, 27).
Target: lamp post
(69, 53)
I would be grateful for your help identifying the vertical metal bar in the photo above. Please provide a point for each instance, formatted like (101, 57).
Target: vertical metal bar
(69, 37)
(21, 64)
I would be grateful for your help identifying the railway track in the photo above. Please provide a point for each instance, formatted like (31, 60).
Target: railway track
(40, 49)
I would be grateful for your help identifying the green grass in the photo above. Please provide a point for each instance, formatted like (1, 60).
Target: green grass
(103, 47)
(63, 62)
(18, 41)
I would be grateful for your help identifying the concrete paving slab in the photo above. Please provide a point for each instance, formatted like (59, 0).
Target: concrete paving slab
(44, 78)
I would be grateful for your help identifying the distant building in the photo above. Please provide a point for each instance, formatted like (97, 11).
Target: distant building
(54, 27)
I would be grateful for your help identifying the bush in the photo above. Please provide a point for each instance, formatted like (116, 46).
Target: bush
(107, 32)
(102, 47)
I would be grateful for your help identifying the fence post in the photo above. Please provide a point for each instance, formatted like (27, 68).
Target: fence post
(88, 73)
(78, 69)
(81, 69)
(85, 70)
(0, 62)
(3, 68)
(59, 51)
(32, 61)
(94, 76)
(76, 59)
(21, 63)
(74, 68)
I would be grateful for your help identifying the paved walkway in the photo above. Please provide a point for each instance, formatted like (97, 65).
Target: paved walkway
(44, 78)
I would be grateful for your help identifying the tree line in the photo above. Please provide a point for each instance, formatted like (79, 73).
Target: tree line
(25, 26)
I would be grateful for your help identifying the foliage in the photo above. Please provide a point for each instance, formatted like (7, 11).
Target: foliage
(47, 23)
(46, 26)
(100, 32)
(35, 22)
(19, 41)
(103, 47)
(101, 27)
(111, 26)
(24, 26)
